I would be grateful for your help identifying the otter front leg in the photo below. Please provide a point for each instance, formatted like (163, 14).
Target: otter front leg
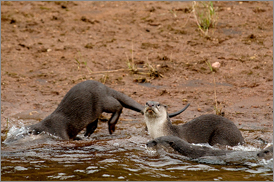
(91, 128)
(113, 120)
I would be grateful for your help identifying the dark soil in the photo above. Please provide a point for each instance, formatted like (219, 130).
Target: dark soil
(48, 47)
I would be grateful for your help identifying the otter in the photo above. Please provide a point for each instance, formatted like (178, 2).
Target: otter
(266, 153)
(194, 151)
(209, 128)
(81, 107)
(185, 148)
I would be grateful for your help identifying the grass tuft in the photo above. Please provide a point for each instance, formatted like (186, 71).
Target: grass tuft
(82, 63)
(205, 15)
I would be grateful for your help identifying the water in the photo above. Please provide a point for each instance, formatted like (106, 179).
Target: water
(123, 156)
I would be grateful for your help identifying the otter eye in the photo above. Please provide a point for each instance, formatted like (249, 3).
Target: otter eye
(158, 105)
(266, 151)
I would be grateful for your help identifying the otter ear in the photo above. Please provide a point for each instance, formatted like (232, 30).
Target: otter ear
(165, 106)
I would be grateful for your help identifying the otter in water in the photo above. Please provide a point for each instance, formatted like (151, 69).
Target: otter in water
(209, 128)
(82, 106)
(266, 153)
(195, 151)
(185, 148)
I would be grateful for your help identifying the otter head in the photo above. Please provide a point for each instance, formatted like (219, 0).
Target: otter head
(155, 110)
(15, 135)
(34, 130)
(266, 153)
(151, 144)
(165, 142)
(157, 120)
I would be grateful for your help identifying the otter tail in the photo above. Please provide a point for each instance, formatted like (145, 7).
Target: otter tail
(178, 112)
(128, 102)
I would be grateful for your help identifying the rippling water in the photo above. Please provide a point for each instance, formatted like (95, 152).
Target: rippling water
(122, 156)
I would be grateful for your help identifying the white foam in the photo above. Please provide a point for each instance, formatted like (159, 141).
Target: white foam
(15, 133)
(243, 148)
(21, 135)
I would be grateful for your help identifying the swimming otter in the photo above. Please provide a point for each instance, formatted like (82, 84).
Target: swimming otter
(194, 151)
(82, 106)
(207, 128)
(266, 153)
(184, 147)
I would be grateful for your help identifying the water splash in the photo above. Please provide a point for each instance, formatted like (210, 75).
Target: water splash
(22, 135)
(15, 134)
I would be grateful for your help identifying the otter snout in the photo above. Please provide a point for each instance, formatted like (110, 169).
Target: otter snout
(151, 106)
(154, 109)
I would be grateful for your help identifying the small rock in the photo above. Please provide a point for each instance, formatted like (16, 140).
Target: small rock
(216, 65)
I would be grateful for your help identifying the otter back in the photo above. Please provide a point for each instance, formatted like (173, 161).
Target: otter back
(208, 128)
(82, 106)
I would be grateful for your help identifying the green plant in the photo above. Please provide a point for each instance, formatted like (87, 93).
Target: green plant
(83, 62)
(205, 15)
(148, 70)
